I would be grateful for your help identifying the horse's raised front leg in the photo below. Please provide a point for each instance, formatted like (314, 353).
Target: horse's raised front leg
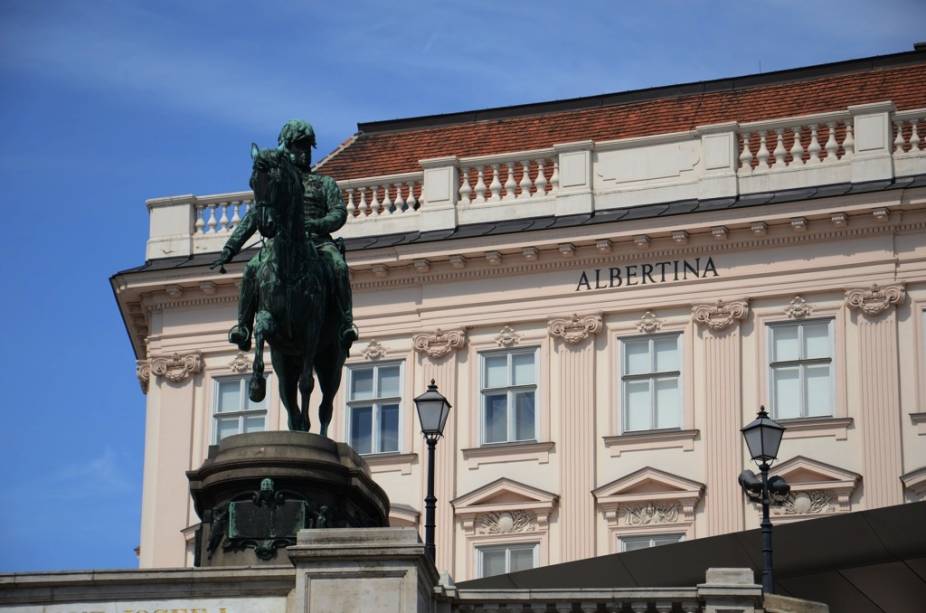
(263, 328)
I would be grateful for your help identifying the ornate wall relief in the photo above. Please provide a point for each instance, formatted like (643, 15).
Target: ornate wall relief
(798, 308)
(374, 350)
(240, 363)
(439, 344)
(809, 502)
(176, 368)
(575, 329)
(720, 315)
(876, 299)
(143, 372)
(649, 323)
(507, 337)
(506, 522)
(816, 489)
(650, 513)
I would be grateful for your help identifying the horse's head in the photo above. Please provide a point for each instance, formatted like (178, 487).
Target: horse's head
(276, 185)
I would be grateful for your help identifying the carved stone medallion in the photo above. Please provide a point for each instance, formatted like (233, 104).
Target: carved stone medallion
(721, 315)
(575, 329)
(177, 368)
(876, 299)
(374, 350)
(798, 308)
(440, 343)
(240, 363)
(507, 337)
(650, 513)
(649, 323)
(811, 502)
(143, 371)
(506, 522)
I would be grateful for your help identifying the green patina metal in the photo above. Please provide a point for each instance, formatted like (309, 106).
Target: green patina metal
(295, 292)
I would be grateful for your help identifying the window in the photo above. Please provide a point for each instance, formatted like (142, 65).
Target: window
(509, 393)
(632, 543)
(651, 383)
(801, 369)
(374, 398)
(503, 559)
(233, 411)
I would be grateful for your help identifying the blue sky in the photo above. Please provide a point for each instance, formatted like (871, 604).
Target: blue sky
(104, 104)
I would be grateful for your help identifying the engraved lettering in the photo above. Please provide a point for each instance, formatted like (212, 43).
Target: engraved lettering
(583, 280)
(616, 274)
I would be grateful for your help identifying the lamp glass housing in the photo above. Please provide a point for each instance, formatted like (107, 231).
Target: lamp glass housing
(433, 410)
(763, 437)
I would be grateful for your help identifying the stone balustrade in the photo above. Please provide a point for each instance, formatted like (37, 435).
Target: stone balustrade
(857, 144)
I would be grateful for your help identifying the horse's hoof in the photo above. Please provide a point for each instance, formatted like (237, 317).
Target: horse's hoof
(324, 431)
(241, 336)
(257, 389)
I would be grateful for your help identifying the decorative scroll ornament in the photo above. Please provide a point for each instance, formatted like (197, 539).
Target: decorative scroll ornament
(440, 343)
(177, 368)
(650, 513)
(575, 329)
(240, 363)
(507, 337)
(143, 371)
(721, 315)
(876, 299)
(811, 502)
(649, 323)
(506, 522)
(374, 350)
(798, 308)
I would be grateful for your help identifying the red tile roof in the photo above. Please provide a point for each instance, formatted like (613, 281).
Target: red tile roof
(399, 150)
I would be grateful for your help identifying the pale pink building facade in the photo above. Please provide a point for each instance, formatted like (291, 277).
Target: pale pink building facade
(603, 324)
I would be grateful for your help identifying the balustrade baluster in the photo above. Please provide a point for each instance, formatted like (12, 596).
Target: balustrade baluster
(746, 157)
(510, 185)
(400, 205)
(914, 136)
(465, 189)
(388, 206)
(480, 187)
(848, 143)
(797, 149)
(496, 186)
(364, 206)
(540, 183)
(210, 224)
(525, 183)
(199, 223)
(762, 155)
(235, 219)
(831, 145)
(223, 220)
(351, 205)
(374, 201)
(814, 148)
(554, 180)
(898, 140)
(411, 201)
(780, 150)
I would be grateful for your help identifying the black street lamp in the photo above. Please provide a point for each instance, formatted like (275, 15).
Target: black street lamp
(433, 410)
(763, 437)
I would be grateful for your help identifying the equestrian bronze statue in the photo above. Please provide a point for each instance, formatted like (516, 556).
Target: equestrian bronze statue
(295, 292)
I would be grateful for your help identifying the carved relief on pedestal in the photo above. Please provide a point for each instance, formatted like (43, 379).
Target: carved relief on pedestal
(507, 337)
(240, 363)
(575, 329)
(650, 513)
(798, 308)
(720, 315)
(439, 344)
(506, 522)
(374, 350)
(649, 323)
(875, 300)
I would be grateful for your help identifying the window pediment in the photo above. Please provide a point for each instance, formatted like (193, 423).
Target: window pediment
(648, 484)
(504, 506)
(817, 488)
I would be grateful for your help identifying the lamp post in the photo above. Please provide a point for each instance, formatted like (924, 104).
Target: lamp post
(763, 437)
(433, 410)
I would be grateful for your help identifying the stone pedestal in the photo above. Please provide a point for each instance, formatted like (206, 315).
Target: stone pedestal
(375, 570)
(256, 491)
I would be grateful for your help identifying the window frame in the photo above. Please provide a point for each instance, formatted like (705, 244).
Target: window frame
(240, 414)
(801, 363)
(622, 545)
(375, 402)
(510, 391)
(481, 549)
(651, 376)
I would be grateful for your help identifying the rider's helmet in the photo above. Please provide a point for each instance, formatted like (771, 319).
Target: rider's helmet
(293, 130)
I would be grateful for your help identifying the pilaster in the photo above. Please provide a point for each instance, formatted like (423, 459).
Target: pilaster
(719, 325)
(879, 414)
(576, 405)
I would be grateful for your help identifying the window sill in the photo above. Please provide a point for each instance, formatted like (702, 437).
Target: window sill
(391, 462)
(814, 427)
(650, 439)
(474, 457)
(919, 420)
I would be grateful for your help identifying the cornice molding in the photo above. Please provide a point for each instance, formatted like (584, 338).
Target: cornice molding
(440, 343)
(875, 300)
(720, 315)
(574, 330)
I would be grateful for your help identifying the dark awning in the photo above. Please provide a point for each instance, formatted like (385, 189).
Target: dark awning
(857, 562)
